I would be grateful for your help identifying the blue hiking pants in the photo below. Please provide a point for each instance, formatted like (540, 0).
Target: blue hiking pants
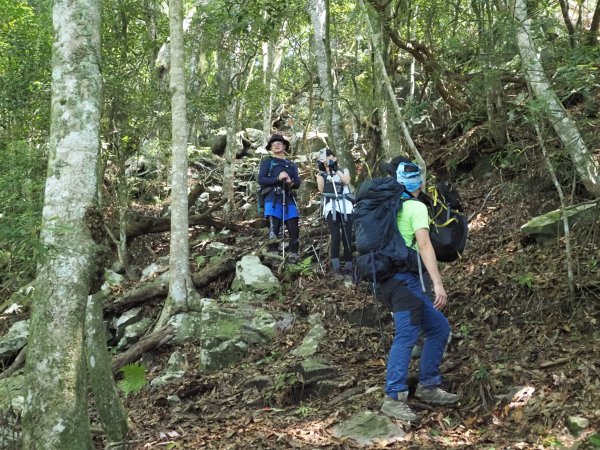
(413, 311)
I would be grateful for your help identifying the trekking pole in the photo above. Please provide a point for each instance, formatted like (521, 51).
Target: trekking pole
(283, 206)
(342, 215)
(314, 250)
(336, 197)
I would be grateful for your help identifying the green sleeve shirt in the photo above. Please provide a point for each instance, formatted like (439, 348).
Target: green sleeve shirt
(412, 217)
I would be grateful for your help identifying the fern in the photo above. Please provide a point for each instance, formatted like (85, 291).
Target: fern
(134, 378)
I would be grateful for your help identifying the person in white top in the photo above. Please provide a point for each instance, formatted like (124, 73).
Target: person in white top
(337, 209)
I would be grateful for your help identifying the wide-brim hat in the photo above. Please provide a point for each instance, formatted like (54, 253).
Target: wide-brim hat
(278, 138)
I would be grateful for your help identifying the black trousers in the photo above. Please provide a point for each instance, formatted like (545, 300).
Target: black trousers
(293, 228)
(340, 230)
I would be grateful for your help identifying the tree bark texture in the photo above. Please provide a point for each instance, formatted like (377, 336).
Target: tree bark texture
(110, 409)
(565, 128)
(55, 414)
(180, 280)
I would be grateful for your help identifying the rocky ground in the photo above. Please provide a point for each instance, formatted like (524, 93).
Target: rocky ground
(525, 353)
(525, 356)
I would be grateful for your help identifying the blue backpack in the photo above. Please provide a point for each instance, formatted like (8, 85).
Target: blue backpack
(382, 250)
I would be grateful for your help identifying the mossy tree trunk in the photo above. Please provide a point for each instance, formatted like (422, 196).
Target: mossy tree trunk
(55, 414)
(109, 405)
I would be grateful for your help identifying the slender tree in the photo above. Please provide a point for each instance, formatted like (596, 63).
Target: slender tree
(319, 14)
(271, 58)
(181, 288)
(390, 90)
(565, 128)
(55, 414)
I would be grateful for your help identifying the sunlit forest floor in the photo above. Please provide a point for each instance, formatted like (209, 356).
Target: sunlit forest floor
(515, 331)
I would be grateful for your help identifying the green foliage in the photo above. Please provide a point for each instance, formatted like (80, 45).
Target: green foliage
(274, 356)
(525, 279)
(305, 411)
(25, 44)
(303, 267)
(464, 330)
(594, 439)
(22, 186)
(134, 378)
(551, 442)
(482, 373)
(284, 380)
(200, 261)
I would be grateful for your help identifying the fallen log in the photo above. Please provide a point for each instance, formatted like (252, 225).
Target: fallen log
(150, 225)
(158, 288)
(149, 342)
(214, 271)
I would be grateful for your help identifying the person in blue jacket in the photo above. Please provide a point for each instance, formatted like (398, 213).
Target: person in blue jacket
(278, 177)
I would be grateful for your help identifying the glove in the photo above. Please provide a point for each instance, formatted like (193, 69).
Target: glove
(321, 166)
(333, 165)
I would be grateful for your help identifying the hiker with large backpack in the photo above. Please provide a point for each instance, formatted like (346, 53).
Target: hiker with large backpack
(277, 178)
(392, 237)
(333, 183)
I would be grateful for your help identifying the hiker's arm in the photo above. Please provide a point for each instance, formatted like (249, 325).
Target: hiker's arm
(344, 176)
(294, 177)
(320, 181)
(263, 179)
(428, 256)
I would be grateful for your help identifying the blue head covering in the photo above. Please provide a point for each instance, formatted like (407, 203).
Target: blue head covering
(409, 175)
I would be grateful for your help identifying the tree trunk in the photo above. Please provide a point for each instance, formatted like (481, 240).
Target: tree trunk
(181, 287)
(496, 112)
(564, 9)
(55, 414)
(272, 54)
(565, 128)
(592, 37)
(388, 85)
(319, 14)
(110, 409)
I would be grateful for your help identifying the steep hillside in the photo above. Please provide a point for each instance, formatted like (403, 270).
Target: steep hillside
(515, 330)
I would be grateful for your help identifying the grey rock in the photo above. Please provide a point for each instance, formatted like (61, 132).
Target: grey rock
(550, 225)
(368, 429)
(252, 275)
(216, 249)
(311, 342)
(128, 318)
(314, 370)
(15, 339)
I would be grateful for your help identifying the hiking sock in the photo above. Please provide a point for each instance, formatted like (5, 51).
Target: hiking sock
(335, 265)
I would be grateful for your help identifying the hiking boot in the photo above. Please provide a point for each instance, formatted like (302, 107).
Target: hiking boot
(293, 258)
(398, 409)
(435, 395)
